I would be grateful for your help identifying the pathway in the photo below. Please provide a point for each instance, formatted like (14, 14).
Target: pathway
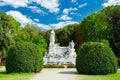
(58, 74)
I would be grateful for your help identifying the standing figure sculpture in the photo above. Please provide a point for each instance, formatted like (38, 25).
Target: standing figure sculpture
(52, 38)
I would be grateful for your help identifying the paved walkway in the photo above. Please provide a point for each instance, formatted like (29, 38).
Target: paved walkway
(58, 74)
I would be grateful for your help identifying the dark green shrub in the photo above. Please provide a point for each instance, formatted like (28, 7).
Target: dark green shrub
(24, 57)
(53, 66)
(118, 59)
(96, 58)
(71, 66)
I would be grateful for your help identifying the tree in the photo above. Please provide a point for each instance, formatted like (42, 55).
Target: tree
(113, 18)
(104, 24)
(31, 34)
(65, 35)
(77, 37)
(95, 29)
(46, 36)
(8, 26)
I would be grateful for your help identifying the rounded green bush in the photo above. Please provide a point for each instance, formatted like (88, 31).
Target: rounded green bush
(24, 57)
(96, 58)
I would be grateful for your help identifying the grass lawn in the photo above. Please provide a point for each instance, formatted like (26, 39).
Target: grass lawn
(28, 76)
(103, 77)
(15, 76)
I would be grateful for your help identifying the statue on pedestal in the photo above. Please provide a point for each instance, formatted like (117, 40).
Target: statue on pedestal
(60, 54)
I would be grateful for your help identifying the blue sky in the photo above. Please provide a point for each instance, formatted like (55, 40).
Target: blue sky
(52, 14)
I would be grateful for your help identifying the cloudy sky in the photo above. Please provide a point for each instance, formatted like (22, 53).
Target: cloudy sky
(52, 14)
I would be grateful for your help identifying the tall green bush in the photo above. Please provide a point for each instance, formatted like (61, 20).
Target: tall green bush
(24, 57)
(96, 58)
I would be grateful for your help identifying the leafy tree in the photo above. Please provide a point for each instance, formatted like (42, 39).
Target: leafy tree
(8, 25)
(77, 37)
(31, 34)
(95, 29)
(46, 36)
(65, 35)
(113, 18)
(104, 24)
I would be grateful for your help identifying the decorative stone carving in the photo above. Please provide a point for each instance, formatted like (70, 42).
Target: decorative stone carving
(59, 54)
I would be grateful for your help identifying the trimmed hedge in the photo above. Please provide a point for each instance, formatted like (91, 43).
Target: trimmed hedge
(24, 57)
(96, 58)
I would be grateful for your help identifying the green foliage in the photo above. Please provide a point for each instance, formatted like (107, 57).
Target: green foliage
(78, 39)
(66, 34)
(95, 29)
(96, 58)
(113, 18)
(8, 26)
(24, 57)
(118, 59)
(53, 66)
(31, 34)
(71, 66)
(59, 66)
(104, 24)
(46, 36)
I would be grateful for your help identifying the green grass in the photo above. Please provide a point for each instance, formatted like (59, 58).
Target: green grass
(115, 76)
(15, 76)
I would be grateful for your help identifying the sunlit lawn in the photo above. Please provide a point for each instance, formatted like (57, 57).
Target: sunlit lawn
(15, 76)
(103, 77)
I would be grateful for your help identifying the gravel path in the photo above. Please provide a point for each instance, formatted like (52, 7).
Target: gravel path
(58, 74)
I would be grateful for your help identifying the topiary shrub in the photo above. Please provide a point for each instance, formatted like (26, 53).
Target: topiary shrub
(96, 58)
(24, 57)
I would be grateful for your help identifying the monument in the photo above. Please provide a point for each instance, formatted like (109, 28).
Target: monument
(59, 54)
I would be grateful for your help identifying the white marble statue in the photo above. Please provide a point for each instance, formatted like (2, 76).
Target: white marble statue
(59, 54)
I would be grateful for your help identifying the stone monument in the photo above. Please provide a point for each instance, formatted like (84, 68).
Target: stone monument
(59, 54)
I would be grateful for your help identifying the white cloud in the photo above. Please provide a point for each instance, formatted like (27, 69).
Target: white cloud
(61, 24)
(42, 26)
(23, 19)
(64, 17)
(36, 20)
(51, 5)
(72, 13)
(36, 9)
(14, 3)
(67, 10)
(65, 14)
(83, 5)
(73, 1)
(111, 2)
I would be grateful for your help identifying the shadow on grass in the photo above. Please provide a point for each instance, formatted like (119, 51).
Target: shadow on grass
(3, 72)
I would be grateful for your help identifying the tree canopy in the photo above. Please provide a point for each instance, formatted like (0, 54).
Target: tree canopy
(104, 24)
(31, 34)
(8, 26)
